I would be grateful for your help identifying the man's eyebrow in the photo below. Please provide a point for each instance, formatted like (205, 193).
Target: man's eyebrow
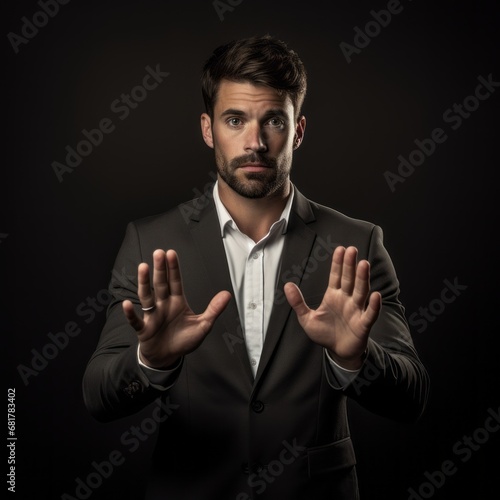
(232, 111)
(276, 112)
(270, 112)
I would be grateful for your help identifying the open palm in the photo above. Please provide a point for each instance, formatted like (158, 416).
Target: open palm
(343, 320)
(169, 328)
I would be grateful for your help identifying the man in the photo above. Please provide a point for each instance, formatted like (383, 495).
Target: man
(285, 308)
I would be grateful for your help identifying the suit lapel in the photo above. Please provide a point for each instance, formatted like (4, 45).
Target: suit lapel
(205, 230)
(299, 241)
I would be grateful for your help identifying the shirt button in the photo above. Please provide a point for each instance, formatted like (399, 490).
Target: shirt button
(253, 362)
(252, 305)
(256, 255)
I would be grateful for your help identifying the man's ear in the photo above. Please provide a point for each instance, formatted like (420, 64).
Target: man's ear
(299, 132)
(206, 130)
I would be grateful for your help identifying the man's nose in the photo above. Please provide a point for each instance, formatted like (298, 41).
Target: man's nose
(255, 139)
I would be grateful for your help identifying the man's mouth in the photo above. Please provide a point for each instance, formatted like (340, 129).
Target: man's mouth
(254, 167)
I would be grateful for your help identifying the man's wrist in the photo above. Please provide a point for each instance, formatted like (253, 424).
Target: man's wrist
(354, 364)
(168, 365)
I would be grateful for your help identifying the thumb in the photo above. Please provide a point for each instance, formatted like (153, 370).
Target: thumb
(215, 308)
(296, 300)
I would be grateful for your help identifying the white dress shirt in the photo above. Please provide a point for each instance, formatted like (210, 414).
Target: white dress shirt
(254, 269)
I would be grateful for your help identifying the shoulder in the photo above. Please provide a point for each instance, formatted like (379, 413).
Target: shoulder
(178, 218)
(331, 215)
(322, 216)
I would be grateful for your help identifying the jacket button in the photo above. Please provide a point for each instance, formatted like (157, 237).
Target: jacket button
(133, 388)
(245, 468)
(257, 406)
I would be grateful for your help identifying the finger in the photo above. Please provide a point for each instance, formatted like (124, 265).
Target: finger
(135, 322)
(214, 309)
(336, 269)
(160, 277)
(296, 300)
(349, 270)
(373, 309)
(174, 273)
(362, 284)
(144, 292)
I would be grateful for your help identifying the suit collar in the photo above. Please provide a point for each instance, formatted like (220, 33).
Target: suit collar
(301, 206)
(225, 218)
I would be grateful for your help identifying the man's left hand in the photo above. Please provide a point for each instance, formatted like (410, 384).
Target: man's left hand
(343, 321)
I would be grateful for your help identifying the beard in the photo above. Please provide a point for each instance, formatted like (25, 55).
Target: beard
(253, 184)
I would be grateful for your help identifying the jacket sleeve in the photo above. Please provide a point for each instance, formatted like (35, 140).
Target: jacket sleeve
(393, 381)
(114, 385)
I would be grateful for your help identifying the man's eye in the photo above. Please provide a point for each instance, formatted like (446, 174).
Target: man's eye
(276, 122)
(234, 122)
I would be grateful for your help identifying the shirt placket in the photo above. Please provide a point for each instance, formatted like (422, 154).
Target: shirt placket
(254, 304)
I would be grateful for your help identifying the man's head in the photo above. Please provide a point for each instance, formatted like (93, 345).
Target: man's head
(253, 91)
(262, 60)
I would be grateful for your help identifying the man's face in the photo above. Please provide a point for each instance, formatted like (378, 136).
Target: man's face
(253, 134)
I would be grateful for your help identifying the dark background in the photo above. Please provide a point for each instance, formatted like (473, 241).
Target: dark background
(58, 240)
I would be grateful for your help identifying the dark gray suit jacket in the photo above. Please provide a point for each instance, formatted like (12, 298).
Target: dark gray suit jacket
(284, 435)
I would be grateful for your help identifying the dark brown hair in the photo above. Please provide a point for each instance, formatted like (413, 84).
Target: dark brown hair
(260, 60)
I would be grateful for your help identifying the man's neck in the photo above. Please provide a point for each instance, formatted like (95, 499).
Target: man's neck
(254, 216)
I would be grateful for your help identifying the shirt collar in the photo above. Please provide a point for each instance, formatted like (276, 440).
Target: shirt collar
(225, 218)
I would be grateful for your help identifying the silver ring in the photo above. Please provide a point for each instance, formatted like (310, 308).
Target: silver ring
(148, 308)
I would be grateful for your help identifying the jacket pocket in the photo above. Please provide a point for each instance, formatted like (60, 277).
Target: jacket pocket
(331, 457)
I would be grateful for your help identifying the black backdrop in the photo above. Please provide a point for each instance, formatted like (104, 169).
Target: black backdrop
(59, 236)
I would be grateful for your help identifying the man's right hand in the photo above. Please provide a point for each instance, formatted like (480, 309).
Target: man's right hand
(170, 329)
